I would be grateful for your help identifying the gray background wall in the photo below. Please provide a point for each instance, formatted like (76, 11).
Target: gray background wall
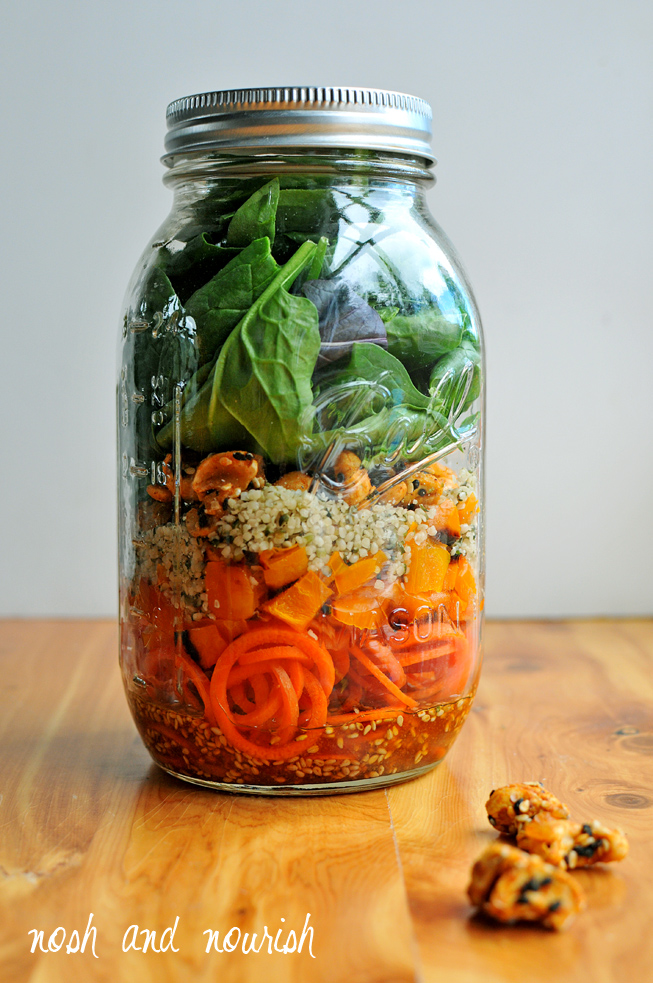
(542, 128)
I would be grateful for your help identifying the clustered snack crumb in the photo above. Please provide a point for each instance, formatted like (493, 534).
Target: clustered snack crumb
(529, 882)
(511, 885)
(513, 806)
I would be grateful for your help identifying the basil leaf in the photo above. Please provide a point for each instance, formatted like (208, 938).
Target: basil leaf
(263, 373)
(387, 313)
(345, 318)
(256, 217)
(380, 438)
(370, 404)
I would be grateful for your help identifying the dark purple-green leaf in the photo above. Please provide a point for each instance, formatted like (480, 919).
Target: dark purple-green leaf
(345, 318)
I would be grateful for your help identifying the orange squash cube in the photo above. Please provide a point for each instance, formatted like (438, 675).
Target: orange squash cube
(465, 582)
(234, 592)
(447, 517)
(349, 578)
(336, 564)
(428, 567)
(209, 644)
(362, 608)
(467, 509)
(450, 575)
(298, 605)
(283, 566)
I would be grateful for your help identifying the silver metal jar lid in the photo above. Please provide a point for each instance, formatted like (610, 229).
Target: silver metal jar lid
(311, 117)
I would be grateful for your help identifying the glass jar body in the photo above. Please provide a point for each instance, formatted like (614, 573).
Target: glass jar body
(300, 439)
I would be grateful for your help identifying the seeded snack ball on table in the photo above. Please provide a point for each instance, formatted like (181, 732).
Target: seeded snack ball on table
(510, 885)
(511, 806)
(568, 844)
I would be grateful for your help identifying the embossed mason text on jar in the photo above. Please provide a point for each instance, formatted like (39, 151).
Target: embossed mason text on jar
(300, 436)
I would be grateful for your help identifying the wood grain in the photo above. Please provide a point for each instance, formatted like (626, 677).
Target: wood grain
(87, 824)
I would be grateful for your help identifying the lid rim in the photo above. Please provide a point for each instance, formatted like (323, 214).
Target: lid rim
(317, 116)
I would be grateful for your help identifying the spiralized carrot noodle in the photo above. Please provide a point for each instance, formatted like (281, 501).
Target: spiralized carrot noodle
(280, 752)
(195, 675)
(240, 698)
(426, 653)
(318, 700)
(275, 652)
(262, 714)
(298, 667)
(268, 637)
(386, 661)
(382, 678)
(289, 705)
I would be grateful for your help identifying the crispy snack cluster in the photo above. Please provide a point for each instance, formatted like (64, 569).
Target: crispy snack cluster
(512, 806)
(568, 844)
(529, 882)
(511, 885)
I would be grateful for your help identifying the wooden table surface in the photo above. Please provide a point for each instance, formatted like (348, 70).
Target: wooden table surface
(89, 825)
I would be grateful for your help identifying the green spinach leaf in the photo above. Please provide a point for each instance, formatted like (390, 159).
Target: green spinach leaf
(372, 363)
(370, 404)
(308, 211)
(195, 264)
(157, 306)
(419, 339)
(455, 381)
(263, 374)
(195, 432)
(218, 306)
(256, 217)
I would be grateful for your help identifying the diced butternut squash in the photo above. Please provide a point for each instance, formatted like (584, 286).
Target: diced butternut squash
(209, 644)
(467, 509)
(462, 597)
(210, 640)
(402, 607)
(362, 608)
(349, 578)
(336, 564)
(450, 576)
(456, 607)
(283, 566)
(460, 583)
(234, 592)
(298, 605)
(428, 567)
(230, 630)
(465, 582)
(447, 517)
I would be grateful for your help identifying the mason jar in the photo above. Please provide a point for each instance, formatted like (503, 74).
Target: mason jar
(300, 405)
